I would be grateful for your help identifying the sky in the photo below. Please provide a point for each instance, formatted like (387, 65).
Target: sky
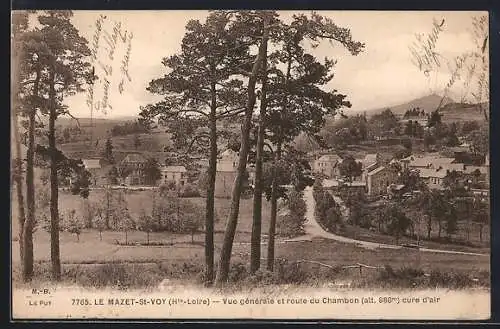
(382, 75)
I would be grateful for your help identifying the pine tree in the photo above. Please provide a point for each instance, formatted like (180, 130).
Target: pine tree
(108, 151)
(66, 64)
(201, 89)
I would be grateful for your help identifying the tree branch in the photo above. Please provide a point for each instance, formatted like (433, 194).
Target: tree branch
(195, 139)
(231, 112)
(73, 117)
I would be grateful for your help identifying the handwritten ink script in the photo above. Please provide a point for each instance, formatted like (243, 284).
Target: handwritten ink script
(423, 48)
(111, 48)
(470, 66)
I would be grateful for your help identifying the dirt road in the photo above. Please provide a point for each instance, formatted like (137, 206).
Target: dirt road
(313, 229)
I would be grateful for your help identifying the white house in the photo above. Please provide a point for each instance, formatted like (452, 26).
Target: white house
(176, 174)
(327, 164)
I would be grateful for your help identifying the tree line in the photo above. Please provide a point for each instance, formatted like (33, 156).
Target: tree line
(436, 133)
(228, 63)
(51, 61)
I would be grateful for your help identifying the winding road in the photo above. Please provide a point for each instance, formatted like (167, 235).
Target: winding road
(314, 230)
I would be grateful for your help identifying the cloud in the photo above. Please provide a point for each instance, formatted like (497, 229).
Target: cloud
(383, 74)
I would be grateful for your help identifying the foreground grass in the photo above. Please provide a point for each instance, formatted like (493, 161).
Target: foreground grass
(312, 263)
(154, 275)
(91, 250)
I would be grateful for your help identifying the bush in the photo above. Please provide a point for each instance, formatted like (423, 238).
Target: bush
(238, 272)
(115, 275)
(167, 187)
(263, 277)
(189, 191)
(178, 216)
(292, 223)
(286, 272)
(73, 224)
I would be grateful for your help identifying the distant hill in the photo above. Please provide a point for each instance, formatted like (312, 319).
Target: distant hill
(427, 103)
(100, 126)
(462, 112)
(451, 110)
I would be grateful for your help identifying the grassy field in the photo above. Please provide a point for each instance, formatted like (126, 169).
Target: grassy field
(93, 263)
(143, 200)
(85, 260)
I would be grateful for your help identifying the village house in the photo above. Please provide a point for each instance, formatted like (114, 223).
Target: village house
(327, 165)
(428, 162)
(379, 179)
(94, 167)
(175, 174)
(227, 167)
(134, 164)
(336, 185)
(368, 163)
(433, 169)
(434, 178)
(463, 155)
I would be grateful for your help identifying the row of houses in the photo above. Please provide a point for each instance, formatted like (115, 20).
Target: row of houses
(378, 175)
(134, 164)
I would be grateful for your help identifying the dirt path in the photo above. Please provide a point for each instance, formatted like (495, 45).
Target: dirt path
(313, 229)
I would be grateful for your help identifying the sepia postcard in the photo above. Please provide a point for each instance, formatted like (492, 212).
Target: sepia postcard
(250, 164)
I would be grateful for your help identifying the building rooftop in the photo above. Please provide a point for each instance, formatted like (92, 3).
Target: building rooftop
(174, 169)
(91, 163)
(134, 158)
(335, 183)
(428, 172)
(425, 161)
(375, 171)
(471, 169)
(329, 158)
(228, 153)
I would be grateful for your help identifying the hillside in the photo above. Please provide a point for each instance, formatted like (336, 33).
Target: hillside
(101, 126)
(427, 103)
(462, 112)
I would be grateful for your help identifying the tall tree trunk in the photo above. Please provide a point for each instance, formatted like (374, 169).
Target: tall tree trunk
(18, 169)
(54, 184)
(108, 195)
(18, 179)
(30, 190)
(227, 246)
(274, 197)
(210, 201)
(429, 227)
(274, 212)
(257, 196)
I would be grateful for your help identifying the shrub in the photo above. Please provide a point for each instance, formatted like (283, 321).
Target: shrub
(262, 277)
(189, 191)
(167, 187)
(286, 272)
(238, 272)
(292, 223)
(179, 216)
(73, 224)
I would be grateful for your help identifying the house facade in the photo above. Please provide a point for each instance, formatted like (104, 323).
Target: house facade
(379, 179)
(337, 186)
(327, 165)
(94, 167)
(134, 164)
(433, 169)
(227, 169)
(175, 174)
(434, 178)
